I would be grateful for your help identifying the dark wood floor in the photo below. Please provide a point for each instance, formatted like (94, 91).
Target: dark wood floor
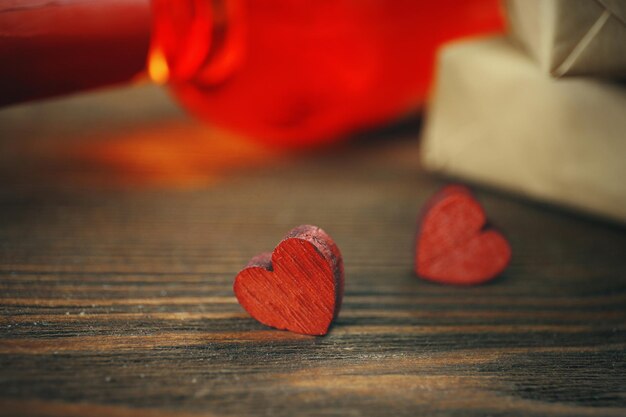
(116, 296)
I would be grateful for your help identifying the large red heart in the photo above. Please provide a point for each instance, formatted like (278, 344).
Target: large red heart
(298, 287)
(454, 245)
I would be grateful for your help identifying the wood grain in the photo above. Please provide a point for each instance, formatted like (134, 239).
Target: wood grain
(118, 301)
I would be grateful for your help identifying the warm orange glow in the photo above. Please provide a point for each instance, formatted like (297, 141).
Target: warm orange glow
(157, 66)
(177, 154)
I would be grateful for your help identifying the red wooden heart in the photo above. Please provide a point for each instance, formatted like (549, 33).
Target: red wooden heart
(454, 245)
(298, 287)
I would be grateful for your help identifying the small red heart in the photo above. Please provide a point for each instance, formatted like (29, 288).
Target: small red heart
(454, 245)
(298, 287)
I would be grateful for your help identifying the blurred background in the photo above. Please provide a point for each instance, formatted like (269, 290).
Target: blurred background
(523, 96)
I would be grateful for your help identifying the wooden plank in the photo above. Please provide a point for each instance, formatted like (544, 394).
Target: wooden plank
(117, 300)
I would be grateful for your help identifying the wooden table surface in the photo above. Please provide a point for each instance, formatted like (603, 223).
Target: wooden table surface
(123, 224)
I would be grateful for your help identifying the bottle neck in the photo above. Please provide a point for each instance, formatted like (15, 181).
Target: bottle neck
(198, 41)
(51, 48)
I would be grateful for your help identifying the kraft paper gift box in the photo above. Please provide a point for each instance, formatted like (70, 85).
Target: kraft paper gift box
(497, 119)
(572, 37)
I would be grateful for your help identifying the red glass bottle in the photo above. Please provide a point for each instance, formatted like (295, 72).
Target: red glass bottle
(297, 72)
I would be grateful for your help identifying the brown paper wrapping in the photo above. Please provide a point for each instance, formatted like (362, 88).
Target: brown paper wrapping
(572, 37)
(496, 118)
